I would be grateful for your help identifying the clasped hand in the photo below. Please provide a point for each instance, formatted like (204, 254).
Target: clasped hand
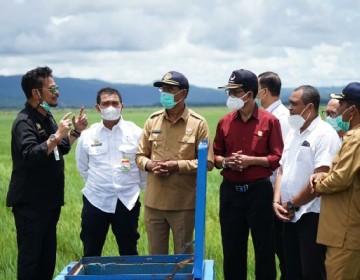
(283, 213)
(163, 168)
(238, 161)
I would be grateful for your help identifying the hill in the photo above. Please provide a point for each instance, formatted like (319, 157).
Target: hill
(78, 92)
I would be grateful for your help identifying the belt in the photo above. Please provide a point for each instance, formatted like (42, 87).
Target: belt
(245, 187)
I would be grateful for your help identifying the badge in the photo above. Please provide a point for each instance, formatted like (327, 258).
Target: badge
(189, 131)
(96, 143)
(156, 131)
(125, 164)
(260, 133)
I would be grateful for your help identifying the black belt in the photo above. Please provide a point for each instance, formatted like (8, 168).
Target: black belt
(245, 187)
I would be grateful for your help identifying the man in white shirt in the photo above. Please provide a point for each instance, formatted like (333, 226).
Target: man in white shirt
(309, 148)
(269, 96)
(105, 156)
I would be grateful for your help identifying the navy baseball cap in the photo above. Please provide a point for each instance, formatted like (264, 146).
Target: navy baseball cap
(173, 78)
(350, 92)
(242, 79)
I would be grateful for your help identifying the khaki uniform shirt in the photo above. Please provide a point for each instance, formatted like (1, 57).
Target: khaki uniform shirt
(340, 200)
(178, 141)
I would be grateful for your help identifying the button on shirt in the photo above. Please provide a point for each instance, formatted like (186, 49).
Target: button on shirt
(106, 161)
(163, 139)
(282, 114)
(303, 153)
(260, 136)
(340, 205)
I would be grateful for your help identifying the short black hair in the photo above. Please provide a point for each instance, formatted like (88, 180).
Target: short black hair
(310, 95)
(34, 79)
(271, 81)
(107, 90)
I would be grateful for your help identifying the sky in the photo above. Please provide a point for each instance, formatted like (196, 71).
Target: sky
(137, 41)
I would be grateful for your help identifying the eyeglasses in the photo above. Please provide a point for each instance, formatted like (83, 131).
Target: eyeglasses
(169, 89)
(328, 113)
(233, 92)
(53, 89)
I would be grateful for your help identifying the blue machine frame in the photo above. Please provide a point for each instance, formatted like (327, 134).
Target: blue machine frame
(155, 267)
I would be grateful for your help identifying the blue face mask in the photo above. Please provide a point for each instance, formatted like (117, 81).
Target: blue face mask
(167, 100)
(45, 106)
(343, 125)
(334, 122)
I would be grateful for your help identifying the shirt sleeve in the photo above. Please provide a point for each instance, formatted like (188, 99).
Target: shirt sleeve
(82, 158)
(191, 165)
(27, 143)
(144, 148)
(276, 145)
(346, 165)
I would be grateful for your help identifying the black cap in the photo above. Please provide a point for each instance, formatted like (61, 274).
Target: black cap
(173, 78)
(350, 92)
(242, 79)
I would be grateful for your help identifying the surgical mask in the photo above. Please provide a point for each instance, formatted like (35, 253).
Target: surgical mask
(44, 105)
(235, 103)
(258, 100)
(168, 99)
(345, 126)
(334, 122)
(297, 121)
(111, 113)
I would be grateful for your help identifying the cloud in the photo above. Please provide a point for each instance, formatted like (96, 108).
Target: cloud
(313, 42)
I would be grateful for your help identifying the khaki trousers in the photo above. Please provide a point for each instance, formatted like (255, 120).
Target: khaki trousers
(342, 263)
(158, 224)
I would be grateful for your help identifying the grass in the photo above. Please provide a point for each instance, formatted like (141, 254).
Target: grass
(69, 244)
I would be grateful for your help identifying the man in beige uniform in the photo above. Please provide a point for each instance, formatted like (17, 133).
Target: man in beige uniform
(339, 223)
(168, 151)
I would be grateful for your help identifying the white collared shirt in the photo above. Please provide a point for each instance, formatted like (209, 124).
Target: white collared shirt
(282, 114)
(303, 153)
(106, 161)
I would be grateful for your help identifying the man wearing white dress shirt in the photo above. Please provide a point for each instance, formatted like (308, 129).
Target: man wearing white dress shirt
(105, 156)
(269, 96)
(309, 147)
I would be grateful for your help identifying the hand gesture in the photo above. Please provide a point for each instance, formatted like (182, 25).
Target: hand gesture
(81, 121)
(64, 126)
(314, 178)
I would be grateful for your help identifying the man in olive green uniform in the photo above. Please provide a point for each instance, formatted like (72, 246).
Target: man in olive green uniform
(339, 223)
(168, 151)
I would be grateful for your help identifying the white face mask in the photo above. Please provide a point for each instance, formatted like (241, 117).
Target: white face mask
(111, 113)
(235, 103)
(297, 121)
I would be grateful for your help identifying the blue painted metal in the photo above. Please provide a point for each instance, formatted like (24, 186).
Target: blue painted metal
(155, 267)
(200, 210)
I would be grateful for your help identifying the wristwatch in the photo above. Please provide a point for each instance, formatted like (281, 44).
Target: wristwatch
(291, 206)
(223, 163)
(53, 138)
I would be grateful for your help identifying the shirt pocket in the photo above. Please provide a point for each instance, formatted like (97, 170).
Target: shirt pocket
(156, 141)
(187, 149)
(260, 142)
(98, 155)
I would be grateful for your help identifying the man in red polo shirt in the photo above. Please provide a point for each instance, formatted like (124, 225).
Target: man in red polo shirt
(247, 146)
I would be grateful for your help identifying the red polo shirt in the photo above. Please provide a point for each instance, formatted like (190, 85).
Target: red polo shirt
(260, 136)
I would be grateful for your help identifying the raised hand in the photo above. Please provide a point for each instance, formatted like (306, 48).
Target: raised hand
(80, 122)
(64, 126)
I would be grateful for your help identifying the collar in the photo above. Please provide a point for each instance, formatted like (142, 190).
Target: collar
(254, 114)
(35, 113)
(184, 115)
(313, 124)
(273, 106)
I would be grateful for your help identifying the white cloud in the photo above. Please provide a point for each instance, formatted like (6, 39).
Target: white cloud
(313, 42)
